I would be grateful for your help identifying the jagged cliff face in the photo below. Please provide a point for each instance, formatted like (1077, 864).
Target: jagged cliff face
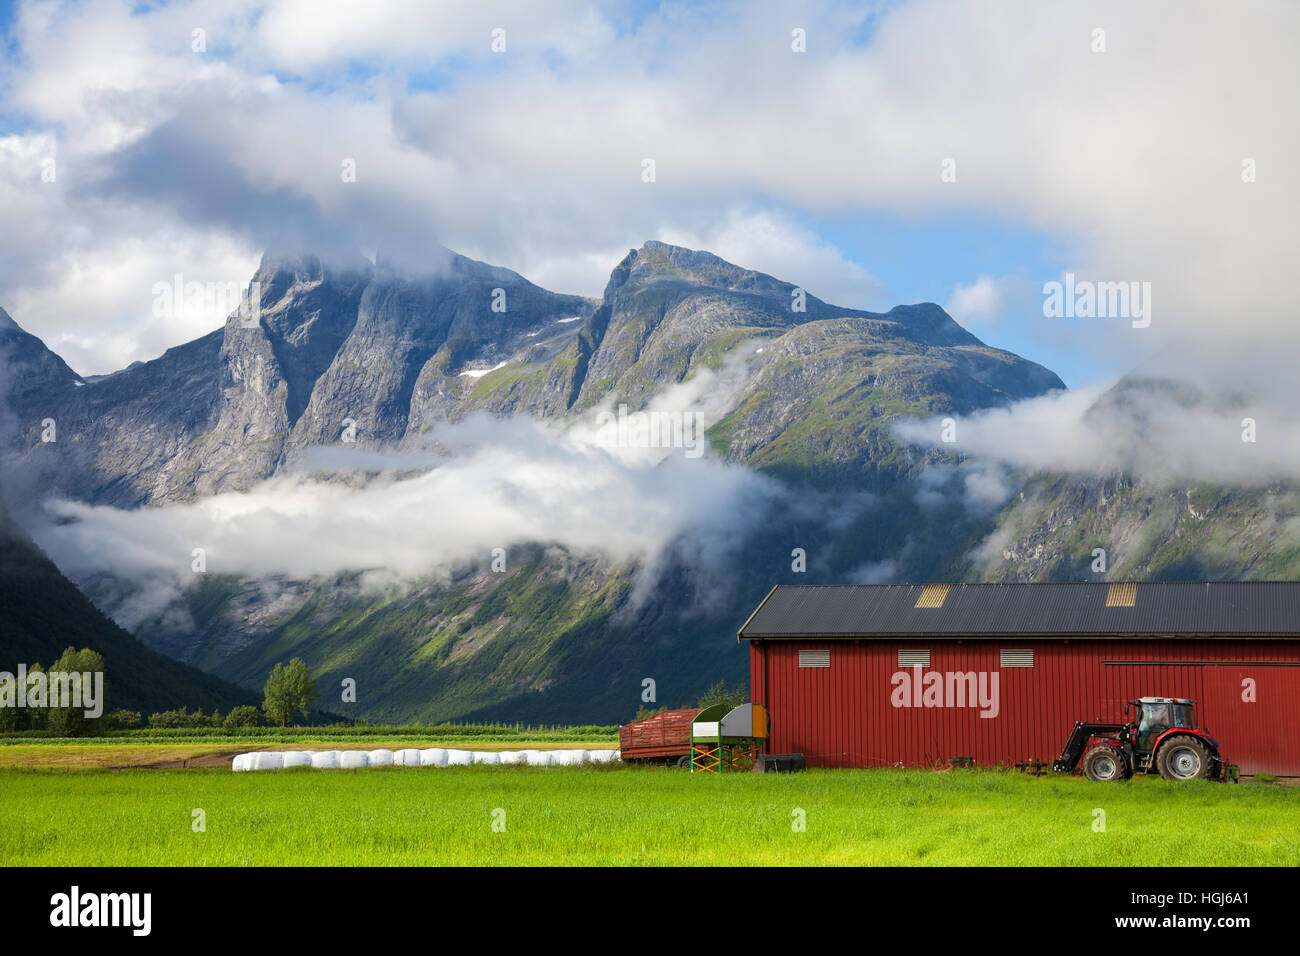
(229, 409)
(816, 391)
(390, 354)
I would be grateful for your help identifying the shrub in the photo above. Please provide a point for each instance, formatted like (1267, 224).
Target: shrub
(122, 720)
(243, 716)
(184, 718)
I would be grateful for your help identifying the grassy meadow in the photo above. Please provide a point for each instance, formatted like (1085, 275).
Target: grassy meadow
(626, 815)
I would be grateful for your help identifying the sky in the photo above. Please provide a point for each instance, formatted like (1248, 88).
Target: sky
(876, 154)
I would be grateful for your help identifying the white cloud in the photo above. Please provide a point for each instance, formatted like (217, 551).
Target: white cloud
(1129, 160)
(493, 484)
(1153, 426)
(989, 299)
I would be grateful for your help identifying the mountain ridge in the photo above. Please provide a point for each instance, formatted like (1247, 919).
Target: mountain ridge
(812, 408)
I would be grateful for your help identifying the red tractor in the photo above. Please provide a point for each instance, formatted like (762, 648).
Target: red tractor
(1164, 739)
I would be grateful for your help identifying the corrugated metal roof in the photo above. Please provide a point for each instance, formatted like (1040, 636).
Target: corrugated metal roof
(1159, 608)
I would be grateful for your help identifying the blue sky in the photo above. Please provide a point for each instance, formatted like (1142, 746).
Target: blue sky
(923, 260)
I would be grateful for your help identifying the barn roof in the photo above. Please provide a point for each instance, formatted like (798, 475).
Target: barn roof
(1242, 609)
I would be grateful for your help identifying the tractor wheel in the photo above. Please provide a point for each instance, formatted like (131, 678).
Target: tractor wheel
(1105, 764)
(1184, 758)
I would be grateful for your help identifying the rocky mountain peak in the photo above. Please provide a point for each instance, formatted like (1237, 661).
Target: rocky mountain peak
(657, 260)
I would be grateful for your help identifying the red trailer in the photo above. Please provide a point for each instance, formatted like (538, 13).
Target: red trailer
(912, 675)
(660, 736)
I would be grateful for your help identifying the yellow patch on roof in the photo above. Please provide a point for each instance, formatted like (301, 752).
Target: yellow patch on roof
(1122, 594)
(933, 595)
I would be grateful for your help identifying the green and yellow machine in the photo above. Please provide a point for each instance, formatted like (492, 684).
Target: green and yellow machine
(727, 741)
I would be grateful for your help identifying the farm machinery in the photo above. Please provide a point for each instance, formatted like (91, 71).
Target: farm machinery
(707, 740)
(1163, 739)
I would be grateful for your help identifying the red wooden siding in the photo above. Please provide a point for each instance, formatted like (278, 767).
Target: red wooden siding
(842, 716)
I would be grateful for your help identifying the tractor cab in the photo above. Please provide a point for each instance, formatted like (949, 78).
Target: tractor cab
(1156, 716)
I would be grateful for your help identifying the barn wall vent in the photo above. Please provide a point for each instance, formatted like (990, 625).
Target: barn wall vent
(1017, 658)
(814, 658)
(913, 658)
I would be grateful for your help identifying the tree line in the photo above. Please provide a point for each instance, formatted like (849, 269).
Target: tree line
(289, 692)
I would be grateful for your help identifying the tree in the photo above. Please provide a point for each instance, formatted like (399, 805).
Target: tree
(288, 690)
(32, 718)
(643, 712)
(71, 721)
(122, 720)
(245, 715)
(164, 719)
(720, 693)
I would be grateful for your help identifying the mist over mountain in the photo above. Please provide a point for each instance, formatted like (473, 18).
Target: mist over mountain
(42, 614)
(412, 476)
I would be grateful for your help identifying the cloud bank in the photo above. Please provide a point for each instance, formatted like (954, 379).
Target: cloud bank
(1159, 156)
(481, 484)
(1154, 426)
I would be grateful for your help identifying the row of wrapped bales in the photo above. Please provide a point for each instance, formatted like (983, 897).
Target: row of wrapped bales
(431, 757)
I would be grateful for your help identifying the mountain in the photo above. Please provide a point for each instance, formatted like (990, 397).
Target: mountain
(1157, 532)
(1152, 523)
(228, 409)
(812, 392)
(42, 613)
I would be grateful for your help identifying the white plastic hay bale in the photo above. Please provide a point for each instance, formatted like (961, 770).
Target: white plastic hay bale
(353, 759)
(240, 763)
(381, 758)
(537, 758)
(487, 756)
(602, 756)
(268, 761)
(410, 757)
(509, 757)
(326, 760)
(433, 757)
(459, 758)
(297, 758)
(568, 758)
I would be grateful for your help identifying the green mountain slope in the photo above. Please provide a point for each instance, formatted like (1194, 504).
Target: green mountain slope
(1148, 531)
(42, 613)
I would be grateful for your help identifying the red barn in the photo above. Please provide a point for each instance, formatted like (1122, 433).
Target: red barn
(879, 675)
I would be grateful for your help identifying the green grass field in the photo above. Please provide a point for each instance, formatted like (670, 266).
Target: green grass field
(633, 815)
